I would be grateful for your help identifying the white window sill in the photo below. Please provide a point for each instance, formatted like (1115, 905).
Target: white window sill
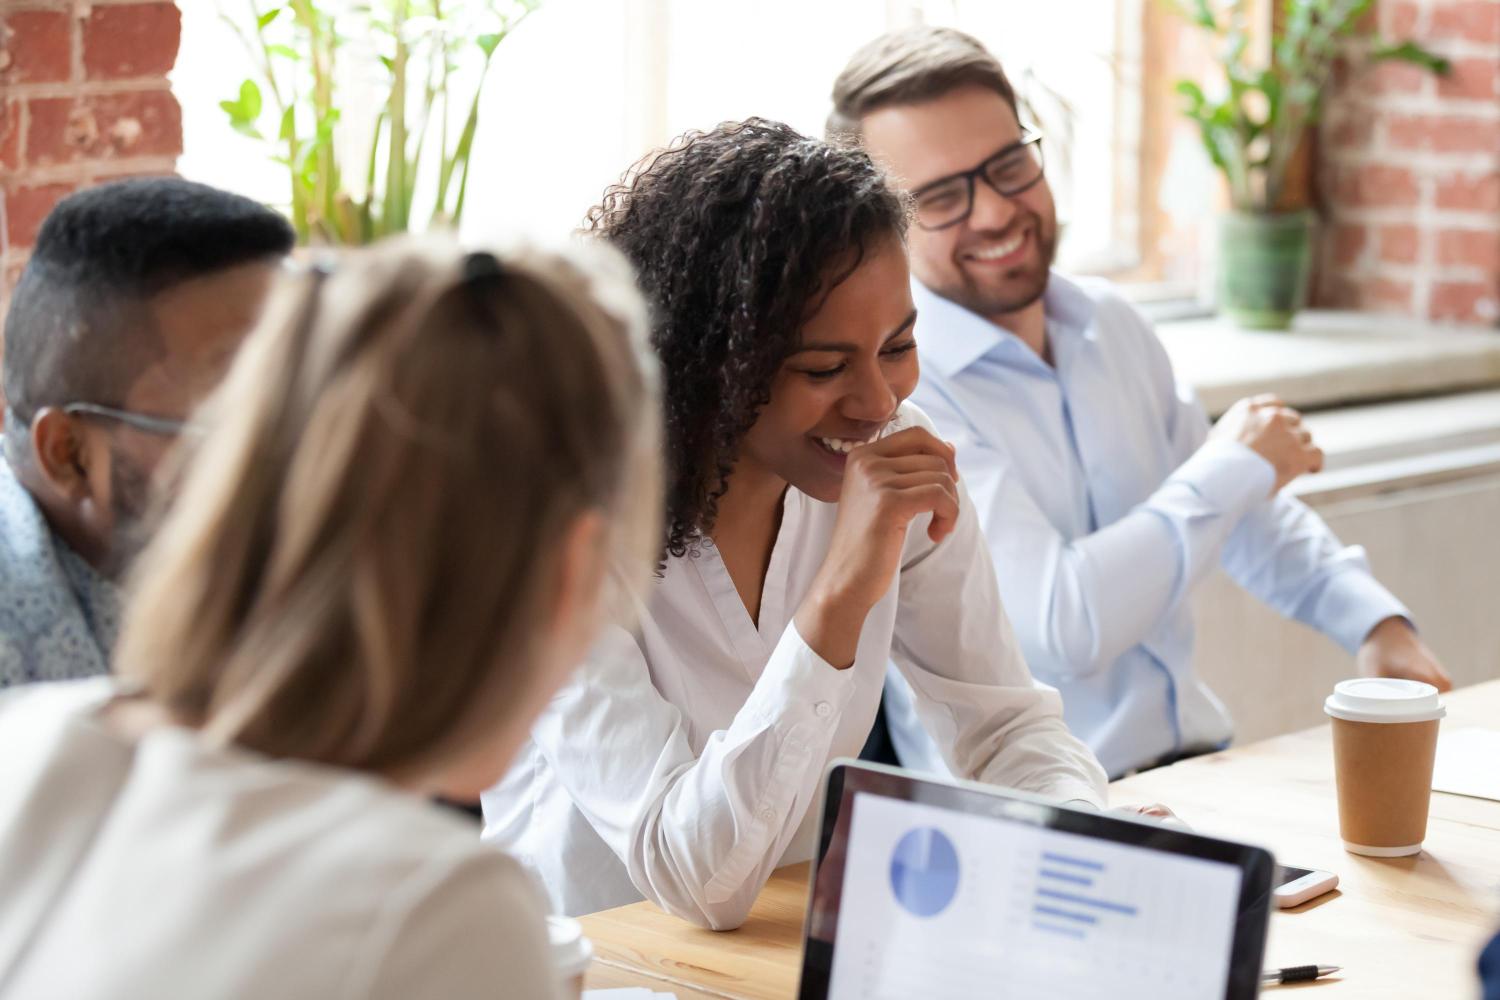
(1331, 359)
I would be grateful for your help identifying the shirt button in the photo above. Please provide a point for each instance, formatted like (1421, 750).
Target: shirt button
(823, 709)
(768, 815)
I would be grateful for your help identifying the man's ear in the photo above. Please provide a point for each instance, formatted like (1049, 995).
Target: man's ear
(58, 452)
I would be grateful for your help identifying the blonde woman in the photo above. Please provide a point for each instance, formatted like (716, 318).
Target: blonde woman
(385, 558)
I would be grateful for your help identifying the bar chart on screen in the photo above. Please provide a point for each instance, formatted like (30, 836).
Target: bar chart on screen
(943, 904)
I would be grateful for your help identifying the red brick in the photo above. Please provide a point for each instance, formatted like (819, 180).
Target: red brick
(144, 123)
(1346, 242)
(1469, 193)
(1443, 133)
(10, 136)
(1466, 301)
(36, 46)
(11, 265)
(49, 137)
(1349, 131)
(1370, 293)
(1472, 79)
(1400, 244)
(1467, 20)
(1334, 292)
(130, 41)
(1470, 248)
(133, 123)
(1398, 20)
(1396, 78)
(26, 207)
(1385, 295)
(1375, 185)
(15, 263)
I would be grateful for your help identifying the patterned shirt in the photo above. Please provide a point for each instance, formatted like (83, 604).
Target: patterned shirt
(58, 616)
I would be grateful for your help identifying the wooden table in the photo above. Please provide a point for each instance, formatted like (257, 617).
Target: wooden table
(1401, 927)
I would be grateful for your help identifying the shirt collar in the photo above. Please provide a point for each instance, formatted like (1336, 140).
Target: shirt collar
(952, 338)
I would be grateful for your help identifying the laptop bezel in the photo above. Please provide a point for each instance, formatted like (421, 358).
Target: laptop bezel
(1257, 866)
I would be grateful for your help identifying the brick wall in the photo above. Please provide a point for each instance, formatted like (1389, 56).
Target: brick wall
(83, 98)
(1410, 172)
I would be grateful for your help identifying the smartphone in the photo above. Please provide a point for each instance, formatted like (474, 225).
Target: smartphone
(1295, 886)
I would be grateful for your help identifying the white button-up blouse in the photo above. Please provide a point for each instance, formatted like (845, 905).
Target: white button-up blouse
(681, 762)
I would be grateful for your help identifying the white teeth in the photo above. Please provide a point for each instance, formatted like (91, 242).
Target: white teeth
(999, 250)
(842, 445)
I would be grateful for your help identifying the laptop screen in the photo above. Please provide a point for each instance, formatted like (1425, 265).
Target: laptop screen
(939, 903)
(958, 899)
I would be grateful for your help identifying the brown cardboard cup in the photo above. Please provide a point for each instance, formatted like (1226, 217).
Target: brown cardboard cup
(1384, 740)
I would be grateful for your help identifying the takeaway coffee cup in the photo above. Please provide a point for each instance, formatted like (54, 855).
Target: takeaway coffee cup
(571, 954)
(1384, 740)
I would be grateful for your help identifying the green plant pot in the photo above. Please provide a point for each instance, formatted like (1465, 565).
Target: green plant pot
(1264, 262)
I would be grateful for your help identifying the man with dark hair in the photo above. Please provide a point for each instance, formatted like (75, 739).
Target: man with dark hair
(1104, 494)
(135, 298)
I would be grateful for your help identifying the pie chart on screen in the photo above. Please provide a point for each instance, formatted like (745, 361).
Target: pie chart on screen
(924, 871)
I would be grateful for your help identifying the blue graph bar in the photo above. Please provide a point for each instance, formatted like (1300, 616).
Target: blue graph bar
(1052, 911)
(1083, 880)
(1072, 932)
(1063, 859)
(1103, 904)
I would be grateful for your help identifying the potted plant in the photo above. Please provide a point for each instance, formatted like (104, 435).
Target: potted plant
(426, 60)
(1251, 126)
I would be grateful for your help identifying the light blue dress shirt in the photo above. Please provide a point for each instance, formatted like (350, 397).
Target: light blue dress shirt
(1103, 505)
(58, 616)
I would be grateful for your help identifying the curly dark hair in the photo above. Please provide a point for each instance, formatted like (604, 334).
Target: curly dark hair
(737, 235)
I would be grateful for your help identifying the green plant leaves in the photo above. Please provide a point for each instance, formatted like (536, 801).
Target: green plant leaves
(423, 50)
(1251, 133)
(244, 112)
(1411, 52)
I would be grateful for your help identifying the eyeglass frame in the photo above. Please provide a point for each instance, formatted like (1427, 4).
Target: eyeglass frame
(476, 266)
(165, 426)
(1030, 138)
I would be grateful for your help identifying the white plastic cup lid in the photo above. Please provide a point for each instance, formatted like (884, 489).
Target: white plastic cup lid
(1384, 699)
(571, 951)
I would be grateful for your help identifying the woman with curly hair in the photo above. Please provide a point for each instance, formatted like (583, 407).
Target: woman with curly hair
(815, 530)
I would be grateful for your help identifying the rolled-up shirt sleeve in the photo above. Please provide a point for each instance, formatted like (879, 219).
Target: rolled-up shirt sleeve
(1083, 602)
(1284, 554)
(698, 833)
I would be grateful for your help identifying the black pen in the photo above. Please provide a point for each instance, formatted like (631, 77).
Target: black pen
(1297, 973)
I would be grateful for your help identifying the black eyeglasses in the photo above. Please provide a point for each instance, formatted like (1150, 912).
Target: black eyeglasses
(949, 200)
(140, 421)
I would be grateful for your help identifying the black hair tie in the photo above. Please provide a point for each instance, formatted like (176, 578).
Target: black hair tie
(482, 265)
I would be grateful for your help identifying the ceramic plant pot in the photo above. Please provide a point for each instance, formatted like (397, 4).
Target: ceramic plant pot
(1264, 261)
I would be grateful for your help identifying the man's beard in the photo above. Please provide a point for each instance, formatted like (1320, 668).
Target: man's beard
(1027, 285)
(130, 501)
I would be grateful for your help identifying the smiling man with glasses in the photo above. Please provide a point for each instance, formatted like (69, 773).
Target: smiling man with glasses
(131, 305)
(1104, 494)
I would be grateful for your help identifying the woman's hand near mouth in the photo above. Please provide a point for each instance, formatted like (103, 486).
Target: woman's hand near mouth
(886, 484)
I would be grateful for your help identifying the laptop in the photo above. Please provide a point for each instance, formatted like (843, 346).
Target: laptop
(935, 889)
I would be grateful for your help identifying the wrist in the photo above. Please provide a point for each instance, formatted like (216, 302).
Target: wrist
(1394, 627)
(830, 620)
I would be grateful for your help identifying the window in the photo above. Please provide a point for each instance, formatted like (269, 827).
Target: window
(586, 87)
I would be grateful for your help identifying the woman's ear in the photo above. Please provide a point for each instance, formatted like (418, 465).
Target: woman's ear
(57, 447)
(581, 564)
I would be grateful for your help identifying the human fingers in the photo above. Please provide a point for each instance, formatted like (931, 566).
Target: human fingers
(913, 441)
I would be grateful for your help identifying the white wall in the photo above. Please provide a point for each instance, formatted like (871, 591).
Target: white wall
(1435, 545)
